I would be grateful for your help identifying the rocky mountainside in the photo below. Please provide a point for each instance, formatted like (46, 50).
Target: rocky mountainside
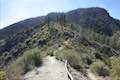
(20, 26)
(95, 18)
(85, 37)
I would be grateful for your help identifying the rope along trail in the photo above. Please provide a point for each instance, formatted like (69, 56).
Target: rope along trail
(52, 69)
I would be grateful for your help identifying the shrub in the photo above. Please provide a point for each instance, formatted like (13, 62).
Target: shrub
(115, 65)
(33, 57)
(2, 75)
(14, 72)
(73, 58)
(99, 69)
(29, 60)
(50, 51)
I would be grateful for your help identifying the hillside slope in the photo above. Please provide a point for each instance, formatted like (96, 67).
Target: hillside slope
(89, 38)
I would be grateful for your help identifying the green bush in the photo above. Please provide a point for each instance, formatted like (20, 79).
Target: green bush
(50, 51)
(115, 71)
(29, 60)
(33, 57)
(73, 58)
(2, 75)
(14, 72)
(100, 69)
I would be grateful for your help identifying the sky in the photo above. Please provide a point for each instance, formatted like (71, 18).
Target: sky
(12, 11)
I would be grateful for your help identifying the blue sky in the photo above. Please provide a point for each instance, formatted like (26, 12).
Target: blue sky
(12, 11)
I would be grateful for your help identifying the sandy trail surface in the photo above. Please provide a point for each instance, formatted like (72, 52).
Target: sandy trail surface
(52, 69)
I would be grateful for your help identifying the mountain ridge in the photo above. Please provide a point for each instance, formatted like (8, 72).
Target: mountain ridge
(80, 16)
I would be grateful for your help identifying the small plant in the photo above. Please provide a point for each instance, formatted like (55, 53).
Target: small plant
(30, 59)
(73, 58)
(100, 69)
(2, 75)
(14, 72)
(115, 65)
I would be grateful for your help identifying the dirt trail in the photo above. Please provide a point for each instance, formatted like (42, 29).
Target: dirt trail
(52, 69)
(91, 75)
